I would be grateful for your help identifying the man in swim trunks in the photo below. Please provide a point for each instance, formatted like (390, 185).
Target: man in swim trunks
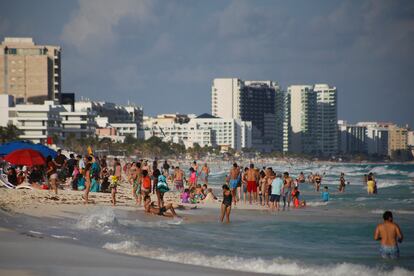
(234, 179)
(252, 178)
(287, 189)
(151, 209)
(389, 233)
(179, 179)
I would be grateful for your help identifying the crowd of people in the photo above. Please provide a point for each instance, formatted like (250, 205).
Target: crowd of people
(249, 185)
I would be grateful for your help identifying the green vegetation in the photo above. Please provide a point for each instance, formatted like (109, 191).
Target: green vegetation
(9, 133)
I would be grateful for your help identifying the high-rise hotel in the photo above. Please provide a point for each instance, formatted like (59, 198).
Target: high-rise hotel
(30, 73)
(260, 102)
(313, 119)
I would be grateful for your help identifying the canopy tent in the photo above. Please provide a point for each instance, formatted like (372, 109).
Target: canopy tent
(12, 146)
(25, 157)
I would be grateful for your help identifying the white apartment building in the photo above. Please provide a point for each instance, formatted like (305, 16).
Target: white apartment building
(258, 102)
(205, 130)
(302, 119)
(125, 129)
(377, 137)
(351, 138)
(6, 101)
(410, 138)
(326, 119)
(77, 124)
(37, 122)
(126, 120)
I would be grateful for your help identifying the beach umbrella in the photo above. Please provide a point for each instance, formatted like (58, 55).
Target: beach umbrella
(12, 146)
(25, 157)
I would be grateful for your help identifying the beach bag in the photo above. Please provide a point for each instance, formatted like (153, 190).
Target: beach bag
(162, 186)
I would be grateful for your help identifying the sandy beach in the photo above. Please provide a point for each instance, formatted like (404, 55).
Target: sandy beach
(29, 254)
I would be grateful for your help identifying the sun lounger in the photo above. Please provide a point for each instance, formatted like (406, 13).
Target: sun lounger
(5, 182)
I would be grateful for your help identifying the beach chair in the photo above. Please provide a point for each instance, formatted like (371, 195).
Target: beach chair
(5, 182)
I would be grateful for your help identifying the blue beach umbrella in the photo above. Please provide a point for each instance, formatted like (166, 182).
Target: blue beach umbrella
(17, 145)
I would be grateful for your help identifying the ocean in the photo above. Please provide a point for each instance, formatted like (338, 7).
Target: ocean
(325, 238)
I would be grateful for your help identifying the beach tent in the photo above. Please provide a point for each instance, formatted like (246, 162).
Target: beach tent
(12, 146)
(25, 157)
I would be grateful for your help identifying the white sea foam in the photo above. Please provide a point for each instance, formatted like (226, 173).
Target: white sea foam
(316, 203)
(362, 198)
(63, 237)
(102, 220)
(388, 184)
(35, 232)
(397, 211)
(278, 266)
(152, 224)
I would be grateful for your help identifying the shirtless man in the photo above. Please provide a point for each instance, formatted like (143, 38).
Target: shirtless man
(150, 209)
(287, 189)
(252, 177)
(234, 178)
(389, 233)
(179, 179)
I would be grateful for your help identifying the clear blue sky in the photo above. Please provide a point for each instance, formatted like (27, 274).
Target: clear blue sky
(164, 54)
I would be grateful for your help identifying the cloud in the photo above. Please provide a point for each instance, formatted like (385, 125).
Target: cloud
(92, 25)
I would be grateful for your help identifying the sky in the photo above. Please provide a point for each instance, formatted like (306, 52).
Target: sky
(163, 55)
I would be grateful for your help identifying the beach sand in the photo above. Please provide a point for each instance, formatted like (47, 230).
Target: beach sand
(32, 254)
(27, 254)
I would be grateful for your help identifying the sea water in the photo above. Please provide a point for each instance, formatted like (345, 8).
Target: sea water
(325, 238)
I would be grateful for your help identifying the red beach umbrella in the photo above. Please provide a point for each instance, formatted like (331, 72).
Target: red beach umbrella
(25, 157)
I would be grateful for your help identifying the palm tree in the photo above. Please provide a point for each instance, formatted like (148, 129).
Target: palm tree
(9, 133)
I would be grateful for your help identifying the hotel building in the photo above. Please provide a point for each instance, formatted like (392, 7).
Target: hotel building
(30, 73)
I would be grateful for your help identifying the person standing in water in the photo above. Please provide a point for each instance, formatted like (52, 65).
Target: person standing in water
(226, 203)
(342, 183)
(389, 233)
(287, 190)
(234, 178)
(205, 171)
(252, 177)
(370, 185)
(318, 180)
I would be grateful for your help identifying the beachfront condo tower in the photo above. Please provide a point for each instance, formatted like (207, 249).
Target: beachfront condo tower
(302, 138)
(326, 119)
(259, 102)
(30, 73)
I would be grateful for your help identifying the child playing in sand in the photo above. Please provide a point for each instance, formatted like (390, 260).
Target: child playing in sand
(199, 195)
(210, 197)
(325, 194)
(185, 196)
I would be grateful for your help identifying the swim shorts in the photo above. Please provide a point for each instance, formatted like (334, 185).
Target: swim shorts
(274, 198)
(233, 183)
(179, 184)
(251, 186)
(390, 252)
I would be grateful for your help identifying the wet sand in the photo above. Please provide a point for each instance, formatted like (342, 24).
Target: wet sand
(26, 254)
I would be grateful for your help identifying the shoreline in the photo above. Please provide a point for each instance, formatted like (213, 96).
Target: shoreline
(24, 254)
